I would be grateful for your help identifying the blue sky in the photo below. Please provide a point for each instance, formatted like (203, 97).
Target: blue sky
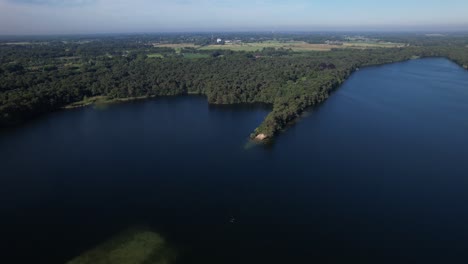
(116, 16)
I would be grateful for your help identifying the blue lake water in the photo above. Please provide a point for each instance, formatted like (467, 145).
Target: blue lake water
(376, 174)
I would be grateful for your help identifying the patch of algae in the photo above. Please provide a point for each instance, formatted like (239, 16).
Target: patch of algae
(130, 247)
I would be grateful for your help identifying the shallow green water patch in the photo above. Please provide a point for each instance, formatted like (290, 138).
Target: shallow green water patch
(130, 247)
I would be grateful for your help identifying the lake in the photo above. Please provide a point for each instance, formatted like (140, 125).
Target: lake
(376, 174)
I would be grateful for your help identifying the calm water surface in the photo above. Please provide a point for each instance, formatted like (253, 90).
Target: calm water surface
(377, 174)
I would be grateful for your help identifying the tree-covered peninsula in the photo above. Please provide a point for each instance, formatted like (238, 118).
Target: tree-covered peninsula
(43, 75)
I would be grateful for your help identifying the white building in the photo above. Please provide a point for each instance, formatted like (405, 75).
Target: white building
(219, 40)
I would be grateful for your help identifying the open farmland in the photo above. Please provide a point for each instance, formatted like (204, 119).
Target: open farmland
(255, 46)
(299, 46)
(177, 46)
(365, 45)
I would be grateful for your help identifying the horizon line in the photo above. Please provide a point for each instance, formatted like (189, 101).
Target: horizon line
(270, 31)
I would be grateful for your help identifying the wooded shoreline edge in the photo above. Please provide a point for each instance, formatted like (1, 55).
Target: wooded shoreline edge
(288, 81)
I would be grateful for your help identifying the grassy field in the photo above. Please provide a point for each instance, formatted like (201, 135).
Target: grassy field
(155, 55)
(102, 101)
(364, 45)
(195, 55)
(87, 101)
(294, 45)
(298, 46)
(177, 47)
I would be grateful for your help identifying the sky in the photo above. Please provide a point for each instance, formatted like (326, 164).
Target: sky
(37, 17)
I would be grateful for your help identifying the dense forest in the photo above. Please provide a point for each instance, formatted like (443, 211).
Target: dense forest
(46, 74)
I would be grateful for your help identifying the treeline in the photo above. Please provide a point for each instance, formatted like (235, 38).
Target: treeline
(289, 82)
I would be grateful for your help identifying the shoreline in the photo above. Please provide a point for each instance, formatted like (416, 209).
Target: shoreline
(103, 100)
(261, 133)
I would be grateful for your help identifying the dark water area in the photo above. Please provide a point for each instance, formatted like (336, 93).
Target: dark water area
(376, 174)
